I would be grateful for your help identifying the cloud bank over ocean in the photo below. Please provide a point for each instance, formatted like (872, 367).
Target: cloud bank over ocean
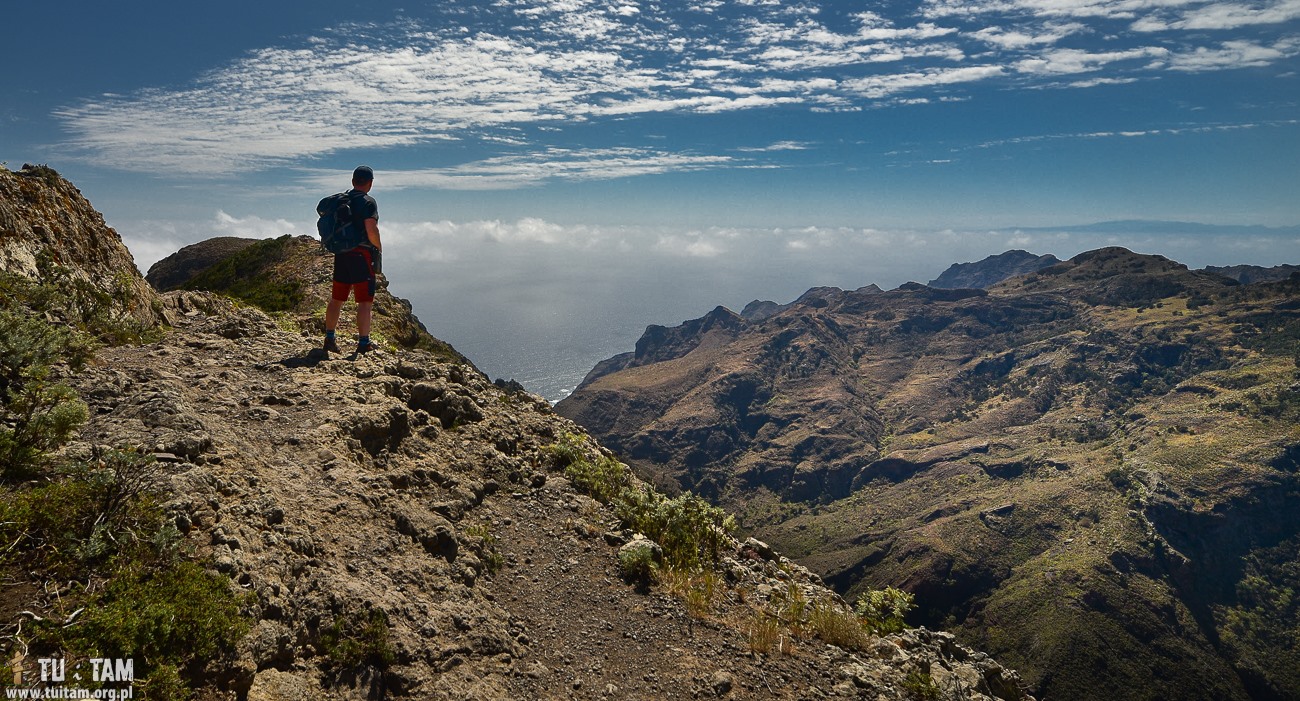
(542, 302)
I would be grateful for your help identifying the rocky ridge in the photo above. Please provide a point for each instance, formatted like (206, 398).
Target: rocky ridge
(290, 277)
(175, 270)
(403, 484)
(331, 486)
(1251, 274)
(992, 270)
(1003, 266)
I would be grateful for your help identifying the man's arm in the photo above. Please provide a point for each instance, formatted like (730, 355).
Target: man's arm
(372, 233)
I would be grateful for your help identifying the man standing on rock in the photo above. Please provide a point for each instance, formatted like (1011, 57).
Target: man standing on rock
(355, 270)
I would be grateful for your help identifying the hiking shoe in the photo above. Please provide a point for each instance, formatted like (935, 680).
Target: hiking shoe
(331, 346)
(363, 348)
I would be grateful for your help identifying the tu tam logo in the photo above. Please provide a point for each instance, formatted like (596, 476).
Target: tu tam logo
(101, 669)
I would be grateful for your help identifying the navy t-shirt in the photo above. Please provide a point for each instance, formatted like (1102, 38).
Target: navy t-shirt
(352, 267)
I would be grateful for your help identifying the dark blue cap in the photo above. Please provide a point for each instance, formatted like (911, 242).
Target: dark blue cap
(363, 174)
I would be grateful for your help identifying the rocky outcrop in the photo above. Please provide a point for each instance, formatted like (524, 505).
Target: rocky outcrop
(1013, 456)
(992, 270)
(48, 230)
(291, 275)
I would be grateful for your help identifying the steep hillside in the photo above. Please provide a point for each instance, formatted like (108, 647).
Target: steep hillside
(1089, 470)
(246, 517)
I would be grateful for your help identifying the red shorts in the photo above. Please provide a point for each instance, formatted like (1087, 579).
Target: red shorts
(364, 291)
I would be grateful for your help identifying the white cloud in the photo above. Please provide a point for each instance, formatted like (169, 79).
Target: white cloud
(509, 72)
(1232, 54)
(1221, 16)
(1095, 82)
(1096, 9)
(255, 227)
(1022, 38)
(886, 85)
(690, 245)
(1066, 61)
(780, 146)
(147, 251)
(529, 169)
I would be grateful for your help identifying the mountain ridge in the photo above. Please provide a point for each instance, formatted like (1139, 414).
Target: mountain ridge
(1158, 226)
(1039, 456)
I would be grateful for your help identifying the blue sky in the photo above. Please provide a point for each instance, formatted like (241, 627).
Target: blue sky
(777, 144)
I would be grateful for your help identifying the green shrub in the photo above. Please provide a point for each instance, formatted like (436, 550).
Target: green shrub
(638, 564)
(570, 448)
(29, 342)
(1121, 479)
(493, 561)
(689, 530)
(37, 417)
(165, 683)
(86, 517)
(920, 685)
(36, 413)
(882, 610)
(77, 305)
(99, 523)
(603, 478)
(359, 640)
(174, 616)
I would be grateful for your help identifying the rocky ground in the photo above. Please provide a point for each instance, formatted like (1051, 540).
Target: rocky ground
(335, 486)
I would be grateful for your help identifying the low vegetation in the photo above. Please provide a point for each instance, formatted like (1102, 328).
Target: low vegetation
(684, 539)
(357, 640)
(687, 528)
(118, 581)
(486, 541)
(883, 610)
(1261, 630)
(241, 276)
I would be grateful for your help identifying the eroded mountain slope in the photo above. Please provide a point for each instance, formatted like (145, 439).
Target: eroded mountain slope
(1089, 470)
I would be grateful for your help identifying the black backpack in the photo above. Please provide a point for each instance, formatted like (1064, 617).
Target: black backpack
(338, 232)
